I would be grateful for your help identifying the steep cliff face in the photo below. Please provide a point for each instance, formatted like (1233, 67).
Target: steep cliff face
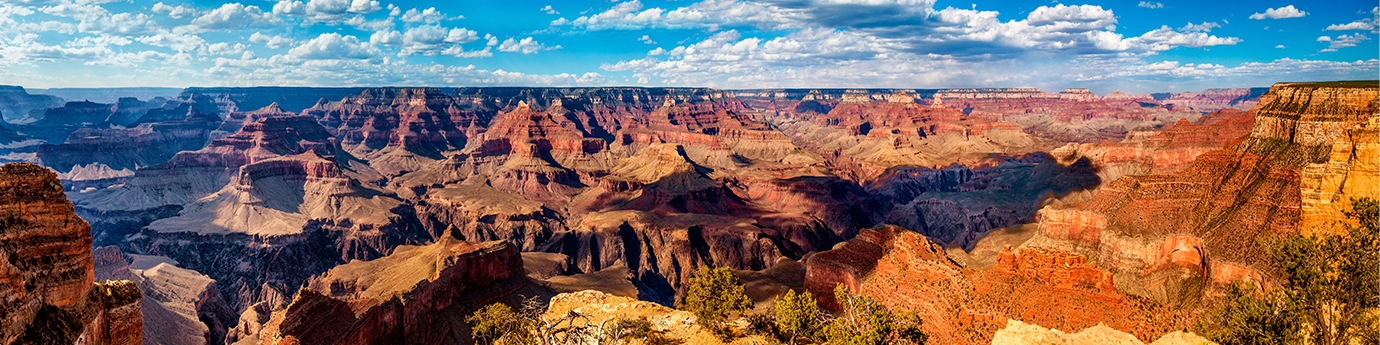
(180, 306)
(46, 269)
(1342, 117)
(1309, 151)
(417, 295)
(16, 103)
(968, 304)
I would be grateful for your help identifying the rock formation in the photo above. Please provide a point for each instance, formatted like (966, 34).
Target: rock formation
(1221, 203)
(16, 103)
(180, 306)
(417, 295)
(1020, 333)
(968, 304)
(46, 270)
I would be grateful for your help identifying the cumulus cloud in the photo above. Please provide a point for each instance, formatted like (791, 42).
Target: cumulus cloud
(176, 41)
(526, 46)
(272, 41)
(708, 13)
(233, 16)
(1151, 5)
(48, 25)
(359, 22)
(550, 10)
(1280, 13)
(646, 39)
(1166, 38)
(387, 37)
(290, 7)
(461, 36)
(1342, 41)
(460, 52)
(225, 48)
(429, 15)
(364, 6)
(175, 12)
(426, 39)
(915, 26)
(1371, 24)
(329, 46)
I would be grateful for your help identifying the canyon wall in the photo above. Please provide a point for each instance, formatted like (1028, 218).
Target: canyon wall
(47, 270)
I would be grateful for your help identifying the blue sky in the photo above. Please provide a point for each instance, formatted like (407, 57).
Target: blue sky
(1134, 46)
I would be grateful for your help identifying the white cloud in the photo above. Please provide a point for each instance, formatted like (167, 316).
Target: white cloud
(175, 12)
(290, 7)
(708, 13)
(387, 37)
(1166, 38)
(329, 46)
(526, 46)
(233, 16)
(359, 22)
(461, 36)
(1342, 41)
(225, 48)
(1280, 13)
(328, 7)
(459, 52)
(646, 39)
(429, 15)
(48, 25)
(1152, 5)
(125, 24)
(1371, 24)
(1204, 27)
(364, 6)
(176, 41)
(550, 10)
(1266, 72)
(272, 42)
(1281, 46)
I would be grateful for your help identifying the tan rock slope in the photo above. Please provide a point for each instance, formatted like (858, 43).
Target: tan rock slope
(1020, 333)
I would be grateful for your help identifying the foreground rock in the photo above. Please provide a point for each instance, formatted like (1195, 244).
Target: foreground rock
(599, 307)
(46, 270)
(180, 306)
(417, 295)
(1020, 333)
(964, 305)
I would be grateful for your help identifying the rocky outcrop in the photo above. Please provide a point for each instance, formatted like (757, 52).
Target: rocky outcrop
(414, 296)
(1172, 234)
(1020, 333)
(180, 306)
(46, 269)
(967, 304)
(602, 308)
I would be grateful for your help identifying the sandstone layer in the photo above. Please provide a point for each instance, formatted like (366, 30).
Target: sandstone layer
(417, 295)
(47, 270)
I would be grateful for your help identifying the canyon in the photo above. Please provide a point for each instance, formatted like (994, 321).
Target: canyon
(386, 215)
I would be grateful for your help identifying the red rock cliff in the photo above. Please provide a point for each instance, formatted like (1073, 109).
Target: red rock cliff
(46, 269)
